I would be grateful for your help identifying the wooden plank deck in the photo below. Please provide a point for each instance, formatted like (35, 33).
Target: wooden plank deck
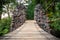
(29, 31)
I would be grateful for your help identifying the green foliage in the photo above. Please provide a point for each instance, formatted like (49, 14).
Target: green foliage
(55, 17)
(30, 10)
(5, 23)
(4, 2)
(52, 9)
(55, 25)
(4, 26)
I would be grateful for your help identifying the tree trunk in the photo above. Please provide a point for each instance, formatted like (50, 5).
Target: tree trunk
(8, 15)
(8, 11)
(0, 16)
(53, 7)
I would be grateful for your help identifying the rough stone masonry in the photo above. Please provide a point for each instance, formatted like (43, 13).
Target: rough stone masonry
(18, 17)
(41, 18)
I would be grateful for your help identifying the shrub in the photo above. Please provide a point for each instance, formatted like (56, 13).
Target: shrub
(56, 18)
(56, 25)
(4, 26)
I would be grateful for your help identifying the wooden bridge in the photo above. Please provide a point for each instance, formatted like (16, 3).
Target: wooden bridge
(29, 31)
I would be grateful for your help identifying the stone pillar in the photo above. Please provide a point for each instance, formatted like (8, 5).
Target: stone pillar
(40, 17)
(18, 17)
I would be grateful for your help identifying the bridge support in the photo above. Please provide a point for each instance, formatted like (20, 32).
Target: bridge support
(18, 17)
(41, 18)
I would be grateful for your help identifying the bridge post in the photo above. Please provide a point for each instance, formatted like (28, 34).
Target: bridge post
(18, 17)
(41, 18)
